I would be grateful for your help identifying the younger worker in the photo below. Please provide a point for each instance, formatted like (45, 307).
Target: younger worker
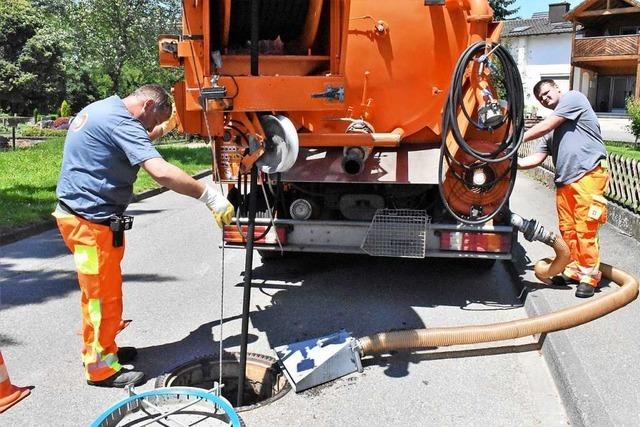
(106, 145)
(579, 156)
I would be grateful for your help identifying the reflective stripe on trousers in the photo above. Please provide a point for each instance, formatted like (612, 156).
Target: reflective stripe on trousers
(98, 266)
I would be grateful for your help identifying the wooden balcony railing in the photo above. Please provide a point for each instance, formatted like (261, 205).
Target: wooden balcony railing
(606, 46)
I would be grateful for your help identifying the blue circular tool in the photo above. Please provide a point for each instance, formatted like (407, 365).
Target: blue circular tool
(190, 395)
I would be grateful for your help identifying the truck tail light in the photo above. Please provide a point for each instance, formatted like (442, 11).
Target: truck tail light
(474, 242)
(233, 235)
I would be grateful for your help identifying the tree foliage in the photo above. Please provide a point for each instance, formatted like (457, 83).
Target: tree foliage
(502, 9)
(65, 109)
(80, 50)
(633, 108)
(31, 60)
(117, 38)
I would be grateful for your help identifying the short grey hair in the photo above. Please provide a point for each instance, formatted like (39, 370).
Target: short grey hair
(157, 93)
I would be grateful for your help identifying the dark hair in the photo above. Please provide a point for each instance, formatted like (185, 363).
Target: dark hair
(159, 95)
(536, 88)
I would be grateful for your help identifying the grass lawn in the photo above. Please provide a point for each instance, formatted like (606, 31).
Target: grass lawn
(624, 149)
(28, 178)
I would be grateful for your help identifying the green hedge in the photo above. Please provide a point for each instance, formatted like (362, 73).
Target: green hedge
(36, 131)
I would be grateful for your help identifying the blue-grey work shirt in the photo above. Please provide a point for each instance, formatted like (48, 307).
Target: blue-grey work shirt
(576, 145)
(103, 151)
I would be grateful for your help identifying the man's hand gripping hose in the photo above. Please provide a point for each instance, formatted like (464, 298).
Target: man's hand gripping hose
(221, 208)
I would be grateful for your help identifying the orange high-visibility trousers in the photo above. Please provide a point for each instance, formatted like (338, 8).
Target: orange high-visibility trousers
(98, 266)
(581, 210)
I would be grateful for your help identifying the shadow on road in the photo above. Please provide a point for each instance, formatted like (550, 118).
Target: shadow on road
(313, 295)
(160, 359)
(31, 287)
(49, 245)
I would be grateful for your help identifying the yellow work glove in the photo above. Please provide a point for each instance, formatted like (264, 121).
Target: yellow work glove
(222, 210)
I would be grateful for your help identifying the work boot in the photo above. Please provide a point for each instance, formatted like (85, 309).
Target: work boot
(126, 354)
(585, 290)
(120, 379)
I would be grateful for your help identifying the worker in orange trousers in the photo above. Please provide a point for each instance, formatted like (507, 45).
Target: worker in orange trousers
(571, 135)
(107, 143)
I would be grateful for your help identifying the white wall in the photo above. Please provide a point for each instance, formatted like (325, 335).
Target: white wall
(538, 57)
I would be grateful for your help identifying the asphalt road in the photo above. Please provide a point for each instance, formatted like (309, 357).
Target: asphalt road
(172, 293)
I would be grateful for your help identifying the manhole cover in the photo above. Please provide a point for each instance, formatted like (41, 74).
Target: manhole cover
(264, 383)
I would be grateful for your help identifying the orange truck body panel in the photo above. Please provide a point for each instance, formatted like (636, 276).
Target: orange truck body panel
(397, 78)
(388, 64)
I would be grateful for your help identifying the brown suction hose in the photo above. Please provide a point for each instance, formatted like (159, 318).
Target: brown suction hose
(546, 268)
(564, 319)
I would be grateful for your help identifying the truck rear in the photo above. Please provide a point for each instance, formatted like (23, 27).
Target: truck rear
(380, 128)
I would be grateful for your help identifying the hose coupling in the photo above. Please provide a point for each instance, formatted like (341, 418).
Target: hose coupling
(532, 230)
(356, 347)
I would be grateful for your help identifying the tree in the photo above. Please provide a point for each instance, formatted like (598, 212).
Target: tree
(501, 10)
(65, 109)
(118, 39)
(81, 88)
(633, 108)
(31, 70)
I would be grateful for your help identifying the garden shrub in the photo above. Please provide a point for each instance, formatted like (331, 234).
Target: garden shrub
(34, 131)
(633, 108)
(60, 122)
(65, 109)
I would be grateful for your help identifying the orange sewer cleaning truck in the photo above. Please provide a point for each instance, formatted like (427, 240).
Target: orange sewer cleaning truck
(381, 127)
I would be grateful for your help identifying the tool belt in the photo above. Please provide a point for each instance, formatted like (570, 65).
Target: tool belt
(118, 224)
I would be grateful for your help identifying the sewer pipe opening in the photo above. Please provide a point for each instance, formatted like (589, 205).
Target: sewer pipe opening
(265, 382)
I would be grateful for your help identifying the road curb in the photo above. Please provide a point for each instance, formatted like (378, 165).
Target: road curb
(581, 400)
(621, 218)
(50, 223)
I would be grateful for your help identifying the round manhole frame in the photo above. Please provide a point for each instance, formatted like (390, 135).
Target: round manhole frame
(231, 361)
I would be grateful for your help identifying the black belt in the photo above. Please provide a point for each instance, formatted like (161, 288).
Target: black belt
(66, 207)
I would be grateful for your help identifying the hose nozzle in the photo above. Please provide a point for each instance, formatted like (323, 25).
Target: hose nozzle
(533, 230)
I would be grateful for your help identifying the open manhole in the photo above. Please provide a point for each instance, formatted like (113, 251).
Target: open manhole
(264, 382)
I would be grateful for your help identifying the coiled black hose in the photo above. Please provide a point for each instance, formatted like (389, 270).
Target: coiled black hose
(508, 147)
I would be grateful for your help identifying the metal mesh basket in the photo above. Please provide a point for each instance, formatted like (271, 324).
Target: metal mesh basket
(397, 233)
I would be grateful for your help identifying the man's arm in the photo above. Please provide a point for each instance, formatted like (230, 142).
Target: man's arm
(176, 179)
(544, 127)
(173, 177)
(531, 161)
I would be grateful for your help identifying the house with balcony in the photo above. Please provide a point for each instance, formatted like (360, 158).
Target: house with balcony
(541, 46)
(605, 57)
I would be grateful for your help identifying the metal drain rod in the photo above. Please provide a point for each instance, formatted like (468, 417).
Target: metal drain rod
(248, 265)
(248, 276)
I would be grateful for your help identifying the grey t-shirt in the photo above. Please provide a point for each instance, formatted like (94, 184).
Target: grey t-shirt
(103, 151)
(576, 146)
